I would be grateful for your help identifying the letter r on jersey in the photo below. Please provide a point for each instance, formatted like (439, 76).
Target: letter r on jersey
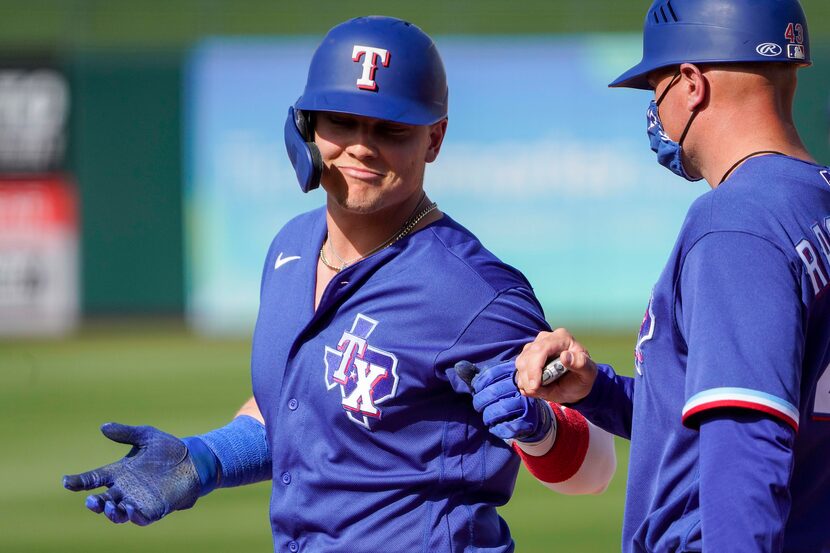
(370, 57)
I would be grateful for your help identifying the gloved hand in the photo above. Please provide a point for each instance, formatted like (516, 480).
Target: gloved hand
(158, 476)
(507, 413)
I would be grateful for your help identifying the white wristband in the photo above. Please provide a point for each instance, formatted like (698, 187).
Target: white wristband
(539, 448)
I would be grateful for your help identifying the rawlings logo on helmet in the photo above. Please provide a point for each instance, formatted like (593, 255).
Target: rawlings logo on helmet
(769, 49)
(370, 64)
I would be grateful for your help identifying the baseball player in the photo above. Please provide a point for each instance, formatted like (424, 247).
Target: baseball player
(361, 421)
(729, 410)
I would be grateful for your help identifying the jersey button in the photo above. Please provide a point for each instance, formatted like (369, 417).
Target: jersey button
(293, 404)
(293, 546)
(286, 478)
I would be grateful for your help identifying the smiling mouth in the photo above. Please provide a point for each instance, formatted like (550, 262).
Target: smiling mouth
(360, 173)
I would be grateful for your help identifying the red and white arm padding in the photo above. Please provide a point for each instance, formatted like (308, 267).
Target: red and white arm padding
(575, 458)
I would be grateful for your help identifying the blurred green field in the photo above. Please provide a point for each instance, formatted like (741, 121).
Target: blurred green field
(55, 394)
(116, 23)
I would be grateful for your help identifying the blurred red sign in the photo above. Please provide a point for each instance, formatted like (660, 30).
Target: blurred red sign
(36, 206)
(39, 291)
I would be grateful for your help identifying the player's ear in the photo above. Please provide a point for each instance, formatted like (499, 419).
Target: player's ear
(696, 86)
(437, 131)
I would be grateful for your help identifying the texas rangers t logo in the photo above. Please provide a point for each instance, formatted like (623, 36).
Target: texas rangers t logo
(370, 57)
(366, 375)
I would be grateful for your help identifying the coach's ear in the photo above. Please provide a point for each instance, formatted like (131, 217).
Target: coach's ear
(437, 131)
(695, 85)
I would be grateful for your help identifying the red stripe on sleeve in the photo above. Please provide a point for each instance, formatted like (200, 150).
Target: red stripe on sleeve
(568, 451)
(690, 422)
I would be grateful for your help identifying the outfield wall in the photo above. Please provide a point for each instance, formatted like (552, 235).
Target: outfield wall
(127, 152)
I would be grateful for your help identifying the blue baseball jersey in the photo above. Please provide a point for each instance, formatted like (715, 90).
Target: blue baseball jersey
(739, 319)
(375, 443)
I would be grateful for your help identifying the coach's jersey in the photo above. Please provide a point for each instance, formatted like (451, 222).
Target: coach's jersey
(375, 443)
(740, 317)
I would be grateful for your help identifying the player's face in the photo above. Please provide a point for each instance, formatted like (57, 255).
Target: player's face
(372, 164)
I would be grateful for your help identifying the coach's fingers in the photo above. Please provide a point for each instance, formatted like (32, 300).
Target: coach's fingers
(88, 480)
(536, 354)
(577, 360)
(575, 384)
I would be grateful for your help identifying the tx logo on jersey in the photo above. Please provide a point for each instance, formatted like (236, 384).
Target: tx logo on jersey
(370, 56)
(366, 375)
(646, 334)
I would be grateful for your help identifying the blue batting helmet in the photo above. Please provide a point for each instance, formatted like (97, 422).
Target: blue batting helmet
(374, 66)
(719, 31)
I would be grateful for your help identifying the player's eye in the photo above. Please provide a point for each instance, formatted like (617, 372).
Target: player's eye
(394, 131)
(341, 121)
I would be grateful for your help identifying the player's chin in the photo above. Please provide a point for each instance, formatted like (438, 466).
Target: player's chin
(359, 198)
(362, 200)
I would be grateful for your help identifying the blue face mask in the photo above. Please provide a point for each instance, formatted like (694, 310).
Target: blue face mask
(669, 153)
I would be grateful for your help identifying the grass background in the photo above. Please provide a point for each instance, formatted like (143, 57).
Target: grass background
(55, 394)
(132, 23)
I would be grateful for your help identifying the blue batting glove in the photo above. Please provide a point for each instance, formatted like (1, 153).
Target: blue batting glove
(159, 475)
(508, 414)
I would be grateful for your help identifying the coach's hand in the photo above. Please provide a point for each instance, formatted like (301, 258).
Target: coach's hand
(507, 413)
(570, 387)
(158, 476)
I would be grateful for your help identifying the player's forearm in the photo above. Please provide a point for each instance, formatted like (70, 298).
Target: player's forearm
(745, 465)
(240, 454)
(610, 403)
(581, 460)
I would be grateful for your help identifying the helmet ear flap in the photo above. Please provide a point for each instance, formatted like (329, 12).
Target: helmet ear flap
(305, 124)
(302, 151)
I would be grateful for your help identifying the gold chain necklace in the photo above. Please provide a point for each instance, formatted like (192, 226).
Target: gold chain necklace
(407, 227)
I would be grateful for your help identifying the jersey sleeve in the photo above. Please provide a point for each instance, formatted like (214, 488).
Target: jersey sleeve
(497, 333)
(746, 459)
(740, 312)
(582, 459)
(610, 404)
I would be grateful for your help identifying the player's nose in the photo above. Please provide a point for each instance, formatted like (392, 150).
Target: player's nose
(363, 144)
